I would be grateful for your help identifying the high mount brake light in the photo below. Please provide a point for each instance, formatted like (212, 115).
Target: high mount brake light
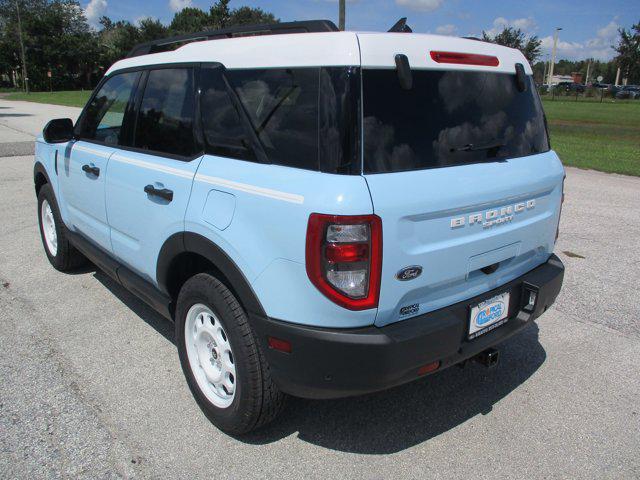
(465, 58)
(344, 258)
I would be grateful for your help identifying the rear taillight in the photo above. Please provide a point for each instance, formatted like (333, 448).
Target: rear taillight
(560, 212)
(344, 258)
(465, 58)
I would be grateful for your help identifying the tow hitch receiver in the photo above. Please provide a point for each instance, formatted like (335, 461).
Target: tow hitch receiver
(489, 358)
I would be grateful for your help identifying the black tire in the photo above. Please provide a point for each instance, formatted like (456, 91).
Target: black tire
(66, 257)
(257, 400)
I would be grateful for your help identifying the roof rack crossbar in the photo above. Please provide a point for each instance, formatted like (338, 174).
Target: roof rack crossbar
(310, 26)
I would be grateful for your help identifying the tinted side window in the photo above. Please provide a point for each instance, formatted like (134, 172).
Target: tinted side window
(104, 116)
(282, 105)
(224, 131)
(339, 114)
(165, 119)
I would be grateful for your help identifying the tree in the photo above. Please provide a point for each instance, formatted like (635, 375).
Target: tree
(219, 15)
(116, 39)
(251, 16)
(515, 38)
(151, 29)
(189, 20)
(56, 38)
(628, 49)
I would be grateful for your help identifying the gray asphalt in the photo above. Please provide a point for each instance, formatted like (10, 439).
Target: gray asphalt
(92, 387)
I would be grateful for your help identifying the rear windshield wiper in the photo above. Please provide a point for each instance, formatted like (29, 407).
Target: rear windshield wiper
(473, 147)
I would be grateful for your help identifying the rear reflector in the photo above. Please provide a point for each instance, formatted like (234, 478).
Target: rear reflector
(428, 368)
(465, 58)
(344, 258)
(279, 344)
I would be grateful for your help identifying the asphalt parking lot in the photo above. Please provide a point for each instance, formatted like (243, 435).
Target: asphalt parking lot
(92, 386)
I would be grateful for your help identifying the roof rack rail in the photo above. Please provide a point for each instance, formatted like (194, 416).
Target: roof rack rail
(165, 44)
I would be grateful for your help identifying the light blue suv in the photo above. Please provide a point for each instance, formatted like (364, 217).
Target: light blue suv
(321, 213)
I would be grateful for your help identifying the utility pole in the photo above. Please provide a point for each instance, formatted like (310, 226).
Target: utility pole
(25, 77)
(586, 80)
(553, 54)
(544, 74)
(341, 15)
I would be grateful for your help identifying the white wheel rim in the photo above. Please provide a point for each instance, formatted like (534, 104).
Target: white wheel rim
(49, 228)
(210, 356)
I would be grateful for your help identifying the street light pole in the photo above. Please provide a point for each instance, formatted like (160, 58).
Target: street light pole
(341, 14)
(553, 54)
(25, 77)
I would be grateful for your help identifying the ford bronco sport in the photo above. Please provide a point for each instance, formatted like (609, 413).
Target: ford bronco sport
(321, 213)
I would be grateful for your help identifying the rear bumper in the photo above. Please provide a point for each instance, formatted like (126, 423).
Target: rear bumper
(333, 363)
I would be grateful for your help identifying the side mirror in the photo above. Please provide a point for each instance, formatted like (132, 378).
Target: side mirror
(58, 131)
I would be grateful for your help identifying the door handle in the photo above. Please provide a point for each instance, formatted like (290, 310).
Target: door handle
(159, 192)
(92, 170)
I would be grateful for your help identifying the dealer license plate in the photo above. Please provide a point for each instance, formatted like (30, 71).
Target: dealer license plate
(488, 315)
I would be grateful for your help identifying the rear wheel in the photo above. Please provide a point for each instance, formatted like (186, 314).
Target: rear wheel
(61, 254)
(221, 359)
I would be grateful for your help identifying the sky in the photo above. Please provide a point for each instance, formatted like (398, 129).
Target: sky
(589, 27)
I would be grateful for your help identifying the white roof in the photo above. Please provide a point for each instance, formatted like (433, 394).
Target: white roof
(369, 50)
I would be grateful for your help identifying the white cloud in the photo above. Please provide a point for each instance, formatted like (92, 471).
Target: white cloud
(94, 10)
(448, 29)
(421, 5)
(527, 25)
(598, 47)
(524, 24)
(177, 5)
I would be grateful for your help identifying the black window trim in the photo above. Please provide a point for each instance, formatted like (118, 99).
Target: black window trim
(256, 147)
(138, 93)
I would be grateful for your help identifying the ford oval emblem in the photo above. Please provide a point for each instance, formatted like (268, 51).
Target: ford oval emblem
(409, 273)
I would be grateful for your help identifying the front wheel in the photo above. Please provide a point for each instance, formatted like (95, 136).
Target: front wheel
(221, 359)
(61, 254)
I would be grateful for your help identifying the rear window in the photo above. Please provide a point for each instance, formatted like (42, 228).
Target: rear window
(448, 118)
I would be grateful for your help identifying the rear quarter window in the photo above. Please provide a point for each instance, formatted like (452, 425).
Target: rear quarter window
(282, 105)
(448, 118)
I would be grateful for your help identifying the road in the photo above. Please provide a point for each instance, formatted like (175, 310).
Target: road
(92, 387)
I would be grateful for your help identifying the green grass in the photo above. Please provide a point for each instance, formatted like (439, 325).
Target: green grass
(600, 136)
(68, 98)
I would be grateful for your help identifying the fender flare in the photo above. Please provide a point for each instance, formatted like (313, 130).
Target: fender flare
(38, 168)
(190, 242)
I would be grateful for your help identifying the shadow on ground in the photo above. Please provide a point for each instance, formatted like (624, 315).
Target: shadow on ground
(156, 321)
(2, 115)
(394, 420)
